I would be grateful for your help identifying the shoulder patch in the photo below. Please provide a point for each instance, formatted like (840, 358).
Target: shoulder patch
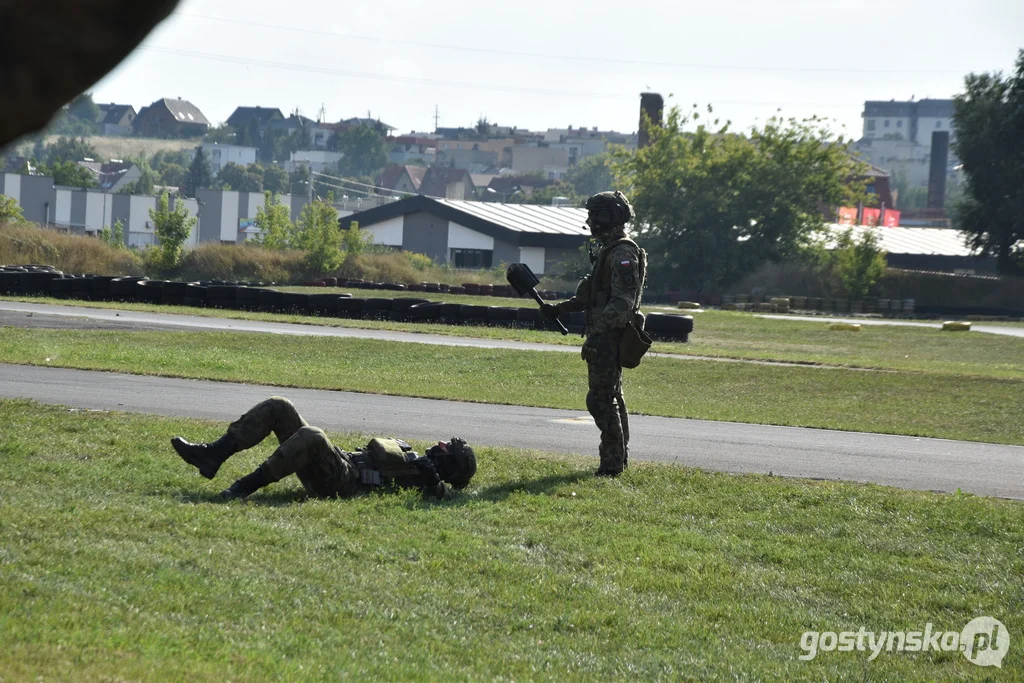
(625, 263)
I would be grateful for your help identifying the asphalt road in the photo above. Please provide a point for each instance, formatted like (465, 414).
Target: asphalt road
(906, 462)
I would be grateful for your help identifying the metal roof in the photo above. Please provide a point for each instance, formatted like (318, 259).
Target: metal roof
(933, 241)
(530, 218)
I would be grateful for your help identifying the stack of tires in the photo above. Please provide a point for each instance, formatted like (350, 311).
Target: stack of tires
(669, 327)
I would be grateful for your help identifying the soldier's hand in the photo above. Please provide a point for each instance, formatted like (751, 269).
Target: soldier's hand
(549, 311)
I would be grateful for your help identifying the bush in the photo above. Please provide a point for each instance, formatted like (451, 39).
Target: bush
(76, 254)
(232, 262)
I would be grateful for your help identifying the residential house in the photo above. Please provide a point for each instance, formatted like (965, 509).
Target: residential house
(553, 162)
(113, 175)
(117, 119)
(316, 160)
(382, 128)
(319, 132)
(221, 155)
(913, 121)
(171, 118)
(503, 187)
(405, 148)
(482, 153)
(254, 117)
(448, 183)
(470, 234)
(401, 179)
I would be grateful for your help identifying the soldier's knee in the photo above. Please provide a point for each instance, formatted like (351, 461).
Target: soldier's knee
(310, 435)
(280, 403)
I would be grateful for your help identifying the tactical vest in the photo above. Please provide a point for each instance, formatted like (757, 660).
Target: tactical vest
(384, 461)
(600, 284)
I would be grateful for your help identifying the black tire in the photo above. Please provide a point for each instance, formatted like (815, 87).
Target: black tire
(668, 326)
(149, 291)
(430, 310)
(293, 302)
(351, 307)
(248, 298)
(101, 288)
(503, 316)
(323, 304)
(81, 288)
(60, 288)
(123, 288)
(221, 296)
(33, 282)
(403, 304)
(269, 300)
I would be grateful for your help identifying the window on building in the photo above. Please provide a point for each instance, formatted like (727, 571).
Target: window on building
(871, 124)
(471, 258)
(886, 124)
(899, 124)
(938, 124)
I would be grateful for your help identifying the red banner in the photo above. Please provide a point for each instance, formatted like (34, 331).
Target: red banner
(847, 215)
(871, 217)
(892, 218)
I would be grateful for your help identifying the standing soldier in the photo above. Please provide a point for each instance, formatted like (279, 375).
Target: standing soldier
(610, 296)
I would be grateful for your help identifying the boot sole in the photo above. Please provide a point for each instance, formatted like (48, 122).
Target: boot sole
(204, 468)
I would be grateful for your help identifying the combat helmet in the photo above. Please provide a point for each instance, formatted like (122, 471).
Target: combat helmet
(455, 462)
(608, 210)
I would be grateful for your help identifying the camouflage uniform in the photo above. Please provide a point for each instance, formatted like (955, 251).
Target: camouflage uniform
(325, 470)
(609, 295)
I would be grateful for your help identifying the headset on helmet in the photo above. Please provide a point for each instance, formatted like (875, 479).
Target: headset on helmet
(455, 462)
(609, 209)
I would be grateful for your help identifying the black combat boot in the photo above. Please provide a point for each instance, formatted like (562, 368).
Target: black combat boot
(208, 457)
(246, 486)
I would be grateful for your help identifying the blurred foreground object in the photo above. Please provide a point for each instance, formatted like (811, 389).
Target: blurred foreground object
(52, 50)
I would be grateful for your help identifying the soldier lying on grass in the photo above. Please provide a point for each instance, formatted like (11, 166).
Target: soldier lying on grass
(325, 470)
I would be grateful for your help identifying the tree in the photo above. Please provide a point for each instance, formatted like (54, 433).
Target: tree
(114, 236)
(858, 263)
(223, 134)
(70, 174)
(591, 175)
(241, 178)
(172, 228)
(145, 182)
(275, 179)
(173, 175)
(483, 126)
(318, 234)
(66, 149)
(989, 121)
(355, 241)
(546, 195)
(200, 175)
(363, 148)
(10, 211)
(712, 205)
(84, 108)
(274, 222)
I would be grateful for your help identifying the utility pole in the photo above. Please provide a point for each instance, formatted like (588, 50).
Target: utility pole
(436, 118)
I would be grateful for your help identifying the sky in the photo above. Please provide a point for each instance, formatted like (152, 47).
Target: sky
(540, 65)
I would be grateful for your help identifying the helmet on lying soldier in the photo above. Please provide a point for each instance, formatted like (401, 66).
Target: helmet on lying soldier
(454, 461)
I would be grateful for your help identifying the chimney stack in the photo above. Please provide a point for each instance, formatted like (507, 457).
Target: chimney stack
(653, 104)
(937, 170)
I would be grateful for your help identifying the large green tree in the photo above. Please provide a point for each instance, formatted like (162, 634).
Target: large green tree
(713, 205)
(591, 175)
(70, 174)
(241, 178)
(172, 228)
(318, 233)
(66, 149)
(363, 148)
(989, 121)
(10, 211)
(274, 222)
(200, 175)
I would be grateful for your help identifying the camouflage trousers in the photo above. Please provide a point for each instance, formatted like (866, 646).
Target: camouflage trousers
(605, 401)
(323, 468)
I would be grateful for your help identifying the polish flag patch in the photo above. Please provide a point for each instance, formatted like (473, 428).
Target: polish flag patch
(625, 263)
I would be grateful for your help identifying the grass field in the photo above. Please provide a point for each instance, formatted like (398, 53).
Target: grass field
(117, 562)
(720, 334)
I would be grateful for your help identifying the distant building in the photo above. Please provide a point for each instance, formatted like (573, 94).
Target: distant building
(448, 183)
(117, 119)
(221, 155)
(553, 162)
(319, 161)
(468, 234)
(913, 121)
(171, 118)
(402, 179)
(112, 176)
(260, 117)
(405, 148)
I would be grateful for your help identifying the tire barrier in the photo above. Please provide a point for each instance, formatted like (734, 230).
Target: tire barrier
(956, 326)
(844, 327)
(224, 294)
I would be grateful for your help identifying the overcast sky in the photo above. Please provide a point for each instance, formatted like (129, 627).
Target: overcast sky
(551, 64)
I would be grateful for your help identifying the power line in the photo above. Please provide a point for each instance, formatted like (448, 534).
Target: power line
(459, 84)
(577, 58)
(356, 182)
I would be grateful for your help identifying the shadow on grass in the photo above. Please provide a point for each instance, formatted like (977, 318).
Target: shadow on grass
(493, 494)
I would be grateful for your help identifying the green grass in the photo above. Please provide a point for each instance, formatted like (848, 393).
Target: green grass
(939, 404)
(117, 562)
(719, 334)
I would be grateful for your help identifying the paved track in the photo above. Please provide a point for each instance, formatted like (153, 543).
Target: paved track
(907, 462)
